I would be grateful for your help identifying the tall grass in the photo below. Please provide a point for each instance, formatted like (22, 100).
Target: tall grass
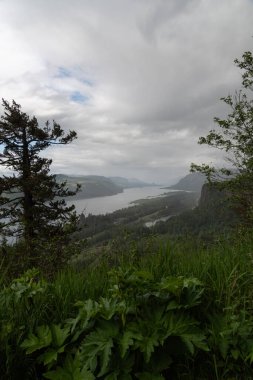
(225, 270)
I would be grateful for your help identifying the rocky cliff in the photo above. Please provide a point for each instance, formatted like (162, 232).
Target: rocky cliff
(211, 196)
(191, 182)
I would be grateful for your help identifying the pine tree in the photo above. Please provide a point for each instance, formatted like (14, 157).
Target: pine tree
(32, 202)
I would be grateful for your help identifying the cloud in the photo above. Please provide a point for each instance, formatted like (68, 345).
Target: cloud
(138, 80)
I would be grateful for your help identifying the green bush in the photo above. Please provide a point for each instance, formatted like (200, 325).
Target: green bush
(181, 312)
(127, 334)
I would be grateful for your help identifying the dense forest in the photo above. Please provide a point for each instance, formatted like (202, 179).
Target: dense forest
(160, 290)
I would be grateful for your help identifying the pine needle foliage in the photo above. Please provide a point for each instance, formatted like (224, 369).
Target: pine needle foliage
(32, 202)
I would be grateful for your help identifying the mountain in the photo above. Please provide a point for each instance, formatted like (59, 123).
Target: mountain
(99, 186)
(91, 186)
(191, 182)
(127, 183)
(212, 217)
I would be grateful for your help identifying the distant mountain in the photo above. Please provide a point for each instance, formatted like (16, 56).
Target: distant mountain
(98, 186)
(127, 183)
(191, 182)
(91, 186)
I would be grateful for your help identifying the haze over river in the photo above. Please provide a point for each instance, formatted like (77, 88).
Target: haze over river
(108, 204)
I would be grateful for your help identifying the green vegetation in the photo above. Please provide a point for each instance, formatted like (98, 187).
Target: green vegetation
(98, 186)
(191, 182)
(31, 208)
(182, 312)
(212, 216)
(99, 229)
(133, 303)
(91, 186)
(235, 137)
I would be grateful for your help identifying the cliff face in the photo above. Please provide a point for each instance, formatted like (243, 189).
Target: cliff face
(191, 182)
(212, 216)
(211, 196)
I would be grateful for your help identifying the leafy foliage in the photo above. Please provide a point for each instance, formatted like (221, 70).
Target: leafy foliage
(118, 336)
(235, 137)
(154, 319)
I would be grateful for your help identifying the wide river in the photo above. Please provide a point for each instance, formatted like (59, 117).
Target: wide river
(105, 205)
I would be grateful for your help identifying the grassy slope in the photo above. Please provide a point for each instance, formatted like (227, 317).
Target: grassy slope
(222, 314)
(225, 270)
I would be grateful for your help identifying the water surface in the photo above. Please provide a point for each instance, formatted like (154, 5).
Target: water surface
(108, 204)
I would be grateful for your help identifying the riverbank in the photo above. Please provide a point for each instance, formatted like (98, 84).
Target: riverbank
(99, 229)
(108, 204)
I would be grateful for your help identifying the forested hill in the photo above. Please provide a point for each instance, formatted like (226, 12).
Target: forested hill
(98, 186)
(127, 183)
(191, 182)
(212, 216)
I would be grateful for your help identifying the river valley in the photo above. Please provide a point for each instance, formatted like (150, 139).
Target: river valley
(109, 204)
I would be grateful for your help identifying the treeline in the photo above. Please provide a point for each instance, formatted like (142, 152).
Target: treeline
(102, 228)
(213, 216)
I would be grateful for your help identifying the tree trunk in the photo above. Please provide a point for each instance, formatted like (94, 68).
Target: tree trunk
(28, 197)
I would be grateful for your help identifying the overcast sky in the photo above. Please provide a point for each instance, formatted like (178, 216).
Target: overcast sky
(138, 80)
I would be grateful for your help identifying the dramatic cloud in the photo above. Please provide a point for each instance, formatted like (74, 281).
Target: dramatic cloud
(138, 80)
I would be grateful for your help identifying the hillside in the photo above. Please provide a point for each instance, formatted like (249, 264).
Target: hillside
(100, 229)
(191, 182)
(91, 186)
(128, 183)
(213, 215)
(99, 186)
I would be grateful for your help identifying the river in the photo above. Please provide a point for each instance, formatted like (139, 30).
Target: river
(108, 204)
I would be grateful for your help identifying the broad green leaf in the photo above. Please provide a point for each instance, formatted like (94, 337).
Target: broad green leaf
(50, 356)
(191, 296)
(99, 343)
(116, 376)
(125, 376)
(250, 357)
(70, 371)
(173, 305)
(112, 376)
(188, 343)
(105, 357)
(223, 346)
(191, 282)
(149, 376)
(195, 339)
(177, 324)
(127, 340)
(59, 335)
(62, 374)
(172, 285)
(161, 360)
(235, 354)
(147, 345)
(36, 342)
(141, 275)
(108, 307)
(87, 310)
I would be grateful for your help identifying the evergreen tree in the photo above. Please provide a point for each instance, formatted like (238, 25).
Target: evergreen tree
(235, 137)
(32, 202)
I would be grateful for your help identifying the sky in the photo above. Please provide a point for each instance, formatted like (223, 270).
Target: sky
(138, 80)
